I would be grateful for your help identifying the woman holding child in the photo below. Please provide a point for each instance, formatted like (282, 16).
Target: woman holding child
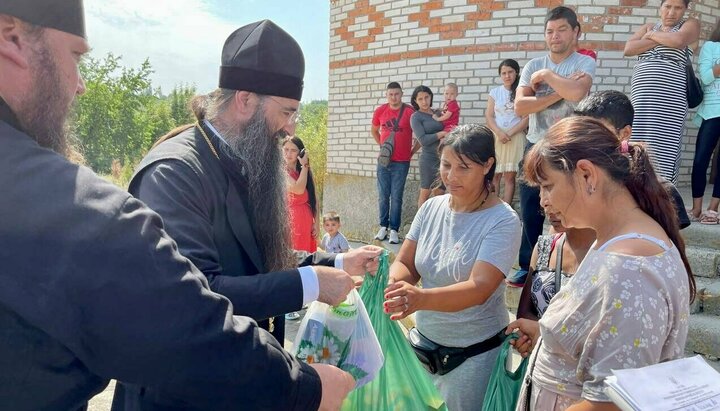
(462, 245)
(428, 132)
(627, 305)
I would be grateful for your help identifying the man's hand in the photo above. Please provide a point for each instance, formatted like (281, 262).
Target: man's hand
(577, 75)
(334, 284)
(363, 260)
(538, 78)
(336, 385)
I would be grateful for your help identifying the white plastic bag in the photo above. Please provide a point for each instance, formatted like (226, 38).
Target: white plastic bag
(340, 336)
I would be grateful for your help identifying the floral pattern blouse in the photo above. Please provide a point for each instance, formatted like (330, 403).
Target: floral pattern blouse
(618, 311)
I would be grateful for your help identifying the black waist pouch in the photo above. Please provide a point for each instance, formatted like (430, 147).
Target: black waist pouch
(438, 359)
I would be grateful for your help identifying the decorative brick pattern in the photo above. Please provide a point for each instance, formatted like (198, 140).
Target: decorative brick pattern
(433, 42)
(359, 35)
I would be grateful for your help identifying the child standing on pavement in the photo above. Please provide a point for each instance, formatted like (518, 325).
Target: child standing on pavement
(333, 241)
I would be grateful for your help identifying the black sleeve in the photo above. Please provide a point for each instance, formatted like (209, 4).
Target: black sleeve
(160, 327)
(175, 192)
(94, 270)
(317, 258)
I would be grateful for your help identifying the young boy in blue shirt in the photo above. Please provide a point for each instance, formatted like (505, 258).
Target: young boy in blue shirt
(333, 241)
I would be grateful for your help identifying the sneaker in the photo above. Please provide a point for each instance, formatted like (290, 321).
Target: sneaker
(394, 237)
(518, 279)
(293, 316)
(381, 234)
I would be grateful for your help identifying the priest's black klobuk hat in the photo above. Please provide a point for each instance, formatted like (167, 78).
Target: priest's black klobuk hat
(263, 58)
(63, 15)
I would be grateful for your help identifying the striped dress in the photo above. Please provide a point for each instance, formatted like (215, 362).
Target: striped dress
(658, 95)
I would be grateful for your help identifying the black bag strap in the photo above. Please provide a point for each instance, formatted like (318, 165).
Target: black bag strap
(529, 373)
(396, 125)
(558, 262)
(485, 345)
(688, 59)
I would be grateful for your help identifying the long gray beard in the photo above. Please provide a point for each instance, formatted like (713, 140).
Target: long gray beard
(259, 160)
(45, 112)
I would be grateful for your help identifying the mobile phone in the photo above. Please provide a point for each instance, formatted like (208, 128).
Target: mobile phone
(302, 153)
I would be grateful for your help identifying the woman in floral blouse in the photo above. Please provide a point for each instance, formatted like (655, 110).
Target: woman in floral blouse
(627, 305)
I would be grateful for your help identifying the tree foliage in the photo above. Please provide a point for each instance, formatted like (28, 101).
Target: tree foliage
(178, 100)
(120, 115)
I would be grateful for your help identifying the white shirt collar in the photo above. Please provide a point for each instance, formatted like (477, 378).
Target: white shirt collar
(214, 130)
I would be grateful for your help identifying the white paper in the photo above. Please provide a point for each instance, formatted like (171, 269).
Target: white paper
(687, 384)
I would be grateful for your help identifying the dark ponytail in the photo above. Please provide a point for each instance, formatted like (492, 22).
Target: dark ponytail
(655, 200)
(576, 138)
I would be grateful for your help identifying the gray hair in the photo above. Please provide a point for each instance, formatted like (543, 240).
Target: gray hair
(209, 107)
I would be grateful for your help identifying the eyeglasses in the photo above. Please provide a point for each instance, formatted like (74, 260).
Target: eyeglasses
(292, 115)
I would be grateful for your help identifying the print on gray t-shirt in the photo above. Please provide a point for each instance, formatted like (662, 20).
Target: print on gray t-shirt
(449, 244)
(541, 121)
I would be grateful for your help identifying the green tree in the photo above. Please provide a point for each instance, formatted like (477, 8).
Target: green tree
(120, 115)
(179, 99)
(312, 130)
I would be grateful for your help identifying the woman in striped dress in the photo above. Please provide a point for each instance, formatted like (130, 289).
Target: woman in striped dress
(658, 87)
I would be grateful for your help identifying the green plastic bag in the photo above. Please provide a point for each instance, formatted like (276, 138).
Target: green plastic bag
(504, 386)
(402, 383)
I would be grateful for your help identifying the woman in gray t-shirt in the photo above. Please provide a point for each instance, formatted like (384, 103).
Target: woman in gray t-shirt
(462, 246)
(428, 132)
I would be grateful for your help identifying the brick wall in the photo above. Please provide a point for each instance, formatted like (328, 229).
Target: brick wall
(432, 42)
